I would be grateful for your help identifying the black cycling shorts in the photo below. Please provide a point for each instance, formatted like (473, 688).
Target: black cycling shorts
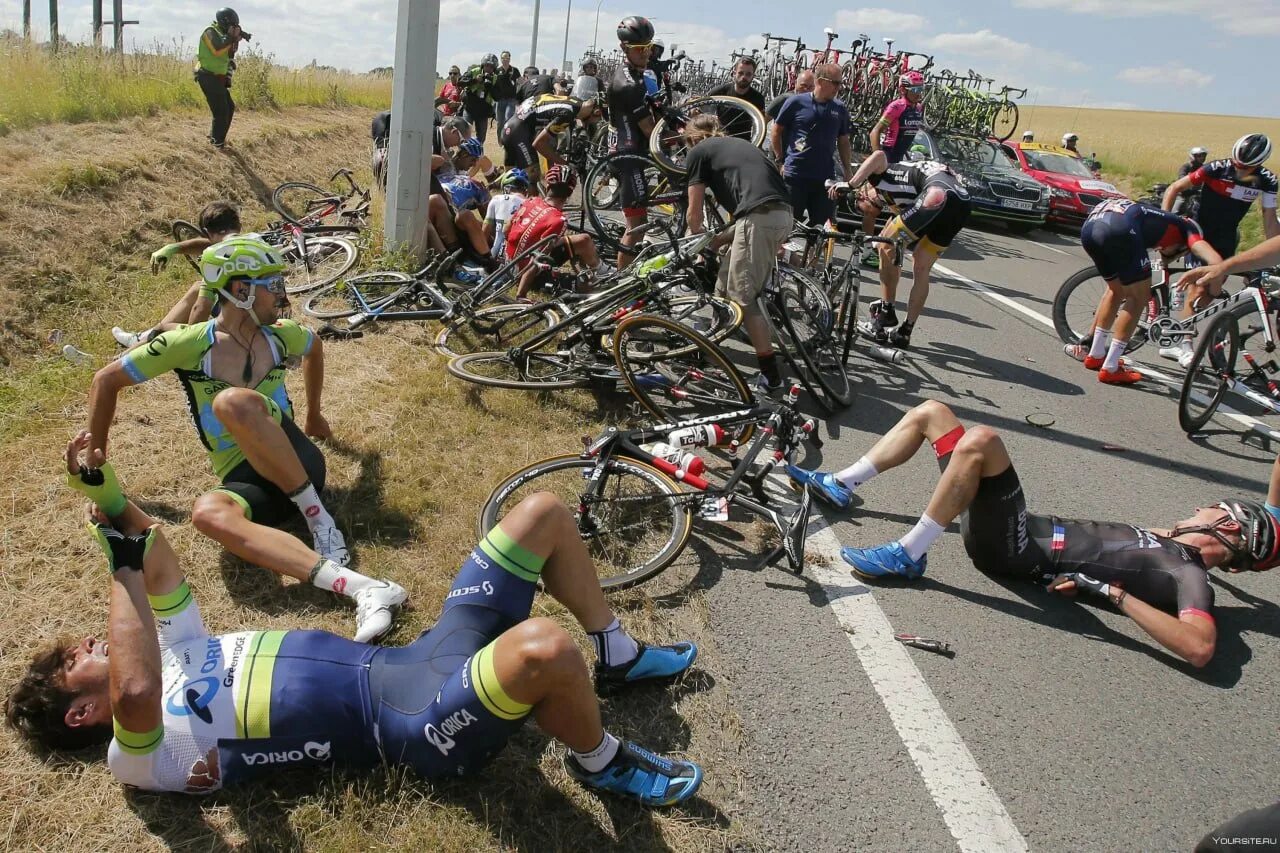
(263, 501)
(517, 142)
(633, 190)
(1116, 251)
(939, 224)
(1000, 536)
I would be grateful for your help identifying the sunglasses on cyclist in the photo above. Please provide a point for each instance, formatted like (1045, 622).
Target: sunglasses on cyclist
(270, 283)
(646, 45)
(915, 90)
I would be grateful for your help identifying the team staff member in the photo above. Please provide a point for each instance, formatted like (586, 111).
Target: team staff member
(215, 60)
(1227, 189)
(1117, 236)
(931, 208)
(632, 119)
(193, 713)
(748, 185)
(232, 369)
(505, 86)
(804, 84)
(534, 127)
(1158, 578)
(734, 122)
(893, 134)
(806, 135)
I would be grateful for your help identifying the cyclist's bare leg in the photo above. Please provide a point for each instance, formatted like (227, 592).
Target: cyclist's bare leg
(758, 332)
(440, 218)
(890, 273)
(181, 310)
(634, 220)
(584, 249)
(245, 415)
(1136, 298)
(218, 516)
(468, 223)
(922, 261)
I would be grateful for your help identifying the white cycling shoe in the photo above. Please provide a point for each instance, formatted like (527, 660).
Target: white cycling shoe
(123, 338)
(330, 544)
(375, 609)
(1173, 353)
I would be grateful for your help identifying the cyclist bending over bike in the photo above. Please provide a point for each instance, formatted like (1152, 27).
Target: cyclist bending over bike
(219, 220)
(539, 218)
(232, 369)
(745, 182)
(192, 713)
(1158, 578)
(931, 208)
(1117, 236)
(1262, 256)
(534, 128)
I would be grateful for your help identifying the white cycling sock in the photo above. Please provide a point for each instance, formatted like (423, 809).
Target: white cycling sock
(330, 576)
(1101, 340)
(1113, 356)
(857, 473)
(307, 500)
(614, 646)
(598, 758)
(920, 537)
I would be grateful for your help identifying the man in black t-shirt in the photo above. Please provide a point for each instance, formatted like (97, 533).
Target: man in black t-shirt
(743, 181)
(734, 122)
(1158, 578)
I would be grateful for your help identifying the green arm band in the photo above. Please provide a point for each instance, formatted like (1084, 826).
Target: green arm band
(138, 743)
(102, 487)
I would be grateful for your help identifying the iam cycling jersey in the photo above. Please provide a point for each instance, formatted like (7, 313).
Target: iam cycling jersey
(535, 220)
(236, 705)
(1119, 232)
(465, 193)
(501, 208)
(901, 119)
(628, 105)
(555, 113)
(188, 352)
(1225, 196)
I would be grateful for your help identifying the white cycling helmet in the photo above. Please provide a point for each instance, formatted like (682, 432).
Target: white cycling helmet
(1252, 149)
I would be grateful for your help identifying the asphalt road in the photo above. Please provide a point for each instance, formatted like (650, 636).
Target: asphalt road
(1086, 733)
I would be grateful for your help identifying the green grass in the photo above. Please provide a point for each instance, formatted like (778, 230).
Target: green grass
(80, 83)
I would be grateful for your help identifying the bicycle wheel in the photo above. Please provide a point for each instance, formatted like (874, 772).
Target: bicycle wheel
(663, 197)
(807, 331)
(1210, 373)
(299, 201)
(325, 260)
(535, 371)
(183, 231)
(712, 317)
(633, 524)
(675, 372)
(344, 298)
(494, 328)
(667, 145)
(1075, 304)
(1005, 121)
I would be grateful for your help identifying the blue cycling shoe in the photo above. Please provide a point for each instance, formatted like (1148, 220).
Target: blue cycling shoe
(827, 487)
(638, 773)
(652, 662)
(884, 561)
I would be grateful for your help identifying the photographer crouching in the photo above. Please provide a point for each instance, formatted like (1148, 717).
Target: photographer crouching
(216, 61)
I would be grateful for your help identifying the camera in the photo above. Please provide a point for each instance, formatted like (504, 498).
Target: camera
(246, 36)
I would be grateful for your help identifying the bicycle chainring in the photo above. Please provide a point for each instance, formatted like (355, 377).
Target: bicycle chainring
(1167, 332)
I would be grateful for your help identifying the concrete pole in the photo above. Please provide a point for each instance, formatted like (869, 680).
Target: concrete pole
(97, 23)
(117, 25)
(533, 49)
(412, 124)
(564, 57)
(53, 25)
(26, 20)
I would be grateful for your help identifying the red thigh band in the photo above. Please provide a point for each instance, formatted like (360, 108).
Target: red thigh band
(948, 442)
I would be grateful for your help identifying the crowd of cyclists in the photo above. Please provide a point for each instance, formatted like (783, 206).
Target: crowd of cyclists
(184, 710)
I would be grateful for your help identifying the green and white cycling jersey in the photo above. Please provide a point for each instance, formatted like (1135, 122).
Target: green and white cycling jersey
(187, 351)
(237, 705)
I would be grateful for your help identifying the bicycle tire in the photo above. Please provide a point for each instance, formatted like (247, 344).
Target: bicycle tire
(659, 357)
(807, 328)
(182, 231)
(338, 300)
(662, 198)
(552, 371)
(666, 144)
(1213, 364)
(292, 198)
(1006, 121)
(327, 259)
(710, 316)
(495, 327)
(607, 552)
(1075, 304)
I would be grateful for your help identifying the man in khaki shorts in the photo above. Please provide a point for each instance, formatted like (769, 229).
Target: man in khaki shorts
(743, 181)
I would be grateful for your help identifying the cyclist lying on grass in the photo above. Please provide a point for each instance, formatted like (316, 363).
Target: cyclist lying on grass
(1147, 574)
(219, 220)
(192, 712)
(539, 218)
(232, 370)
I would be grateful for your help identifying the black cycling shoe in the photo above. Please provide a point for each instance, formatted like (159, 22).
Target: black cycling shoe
(900, 337)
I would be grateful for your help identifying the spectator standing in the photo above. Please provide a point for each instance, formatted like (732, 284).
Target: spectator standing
(450, 98)
(478, 94)
(505, 89)
(736, 123)
(215, 60)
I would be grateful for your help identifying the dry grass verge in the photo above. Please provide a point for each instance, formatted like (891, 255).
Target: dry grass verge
(415, 454)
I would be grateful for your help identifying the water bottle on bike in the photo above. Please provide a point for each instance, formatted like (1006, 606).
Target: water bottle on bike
(705, 435)
(689, 463)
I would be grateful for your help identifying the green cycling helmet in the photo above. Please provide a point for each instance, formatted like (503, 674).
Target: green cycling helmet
(239, 257)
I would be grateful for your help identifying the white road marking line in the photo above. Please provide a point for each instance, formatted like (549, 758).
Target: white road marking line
(1224, 410)
(969, 804)
(1051, 248)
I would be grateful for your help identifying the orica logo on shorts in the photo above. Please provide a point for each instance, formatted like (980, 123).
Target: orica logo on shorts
(312, 750)
(442, 738)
